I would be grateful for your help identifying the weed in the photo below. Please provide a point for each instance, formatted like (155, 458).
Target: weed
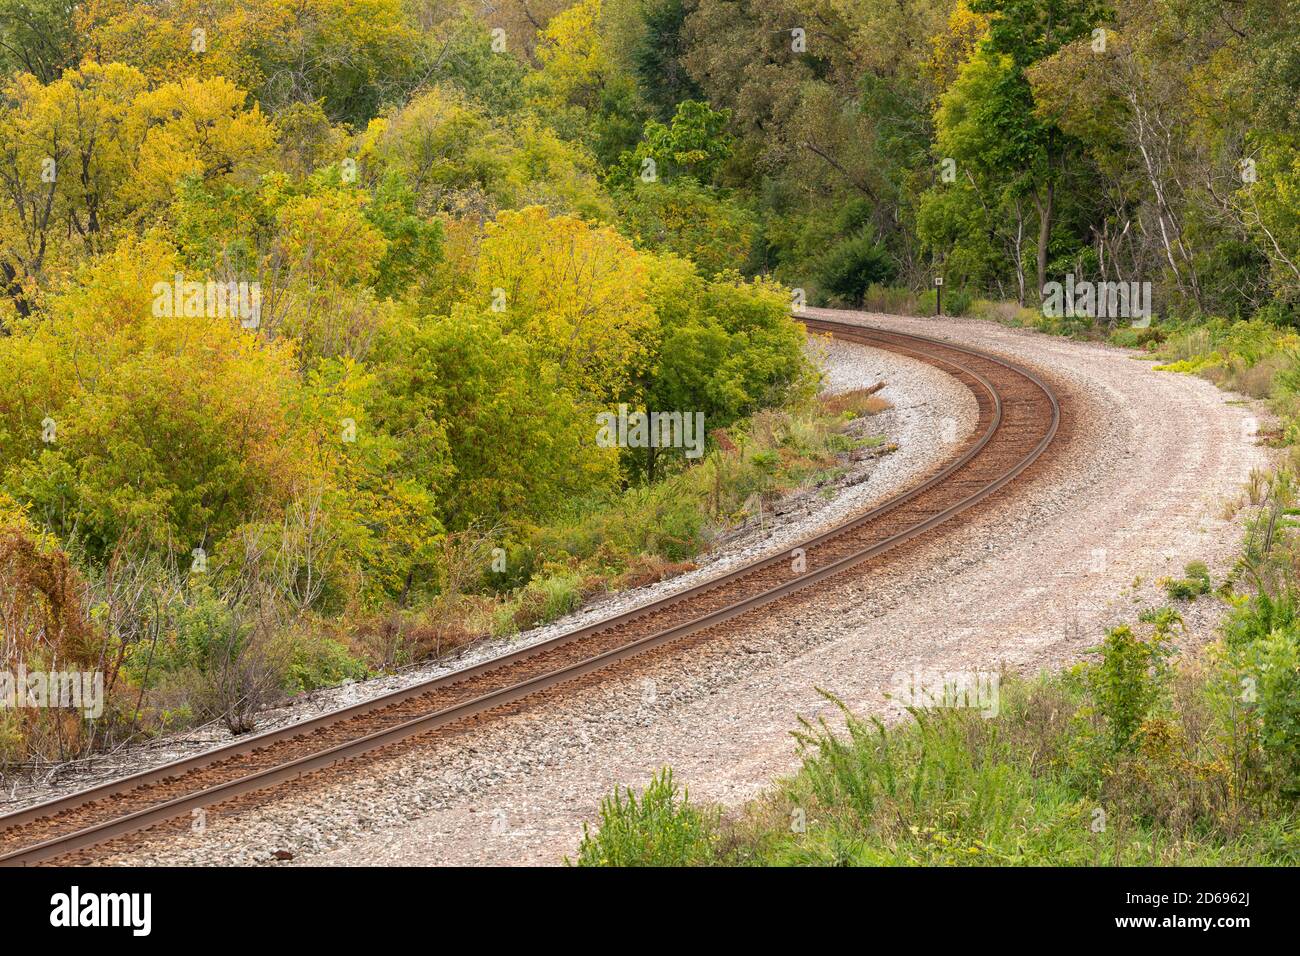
(1196, 583)
(659, 828)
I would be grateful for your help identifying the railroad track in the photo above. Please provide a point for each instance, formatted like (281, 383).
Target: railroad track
(1018, 415)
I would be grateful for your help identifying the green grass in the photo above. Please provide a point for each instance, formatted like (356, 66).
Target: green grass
(659, 827)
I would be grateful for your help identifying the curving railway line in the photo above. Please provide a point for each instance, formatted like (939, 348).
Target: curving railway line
(1018, 416)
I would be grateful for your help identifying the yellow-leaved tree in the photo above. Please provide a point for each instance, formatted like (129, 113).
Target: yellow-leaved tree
(124, 422)
(574, 57)
(201, 128)
(318, 275)
(64, 152)
(577, 292)
(462, 162)
(89, 157)
(350, 55)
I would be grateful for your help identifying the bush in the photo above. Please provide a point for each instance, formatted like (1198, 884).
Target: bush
(45, 624)
(851, 266)
(957, 301)
(1131, 676)
(225, 663)
(543, 600)
(1255, 619)
(316, 661)
(661, 828)
(1194, 585)
(1004, 313)
(1279, 708)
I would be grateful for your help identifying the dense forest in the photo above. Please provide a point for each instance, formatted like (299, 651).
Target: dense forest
(309, 307)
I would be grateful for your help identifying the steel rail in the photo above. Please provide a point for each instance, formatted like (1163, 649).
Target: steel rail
(261, 779)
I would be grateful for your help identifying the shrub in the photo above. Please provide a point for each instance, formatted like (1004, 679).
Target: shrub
(225, 663)
(1131, 676)
(543, 600)
(957, 301)
(314, 660)
(45, 624)
(1255, 619)
(852, 265)
(1279, 707)
(1004, 313)
(661, 828)
(1194, 585)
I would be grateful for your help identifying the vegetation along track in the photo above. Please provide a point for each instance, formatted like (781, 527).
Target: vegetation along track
(1018, 417)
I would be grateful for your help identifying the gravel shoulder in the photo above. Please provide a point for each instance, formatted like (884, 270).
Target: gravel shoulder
(1029, 582)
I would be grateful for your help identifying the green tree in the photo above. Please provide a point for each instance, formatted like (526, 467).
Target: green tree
(694, 144)
(660, 71)
(38, 37)
(521, 443)
(1021, 33)
(725, 347)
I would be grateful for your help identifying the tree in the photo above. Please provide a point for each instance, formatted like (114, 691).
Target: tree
(706, 225)
(65, 151)
(167, 430)
(658, 57)
(351, 55)
(724, 347)
(581, 88)
(38, 37)
(458, 160)
(578, 292)
(1021, 33)
(692, 145)
(985, 127)
(521, 443)
(87, 154)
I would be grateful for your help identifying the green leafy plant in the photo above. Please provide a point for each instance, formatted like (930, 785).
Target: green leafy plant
(1194, 585)
(659, 828)
(1279, 707)
(1132, 674)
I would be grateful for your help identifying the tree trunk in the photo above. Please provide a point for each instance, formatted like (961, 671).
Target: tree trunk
(1045, 206)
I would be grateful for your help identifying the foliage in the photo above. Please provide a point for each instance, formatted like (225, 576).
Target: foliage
(576, 291)
(1194, 585)
(175, 430)
(1132, 674)
(853, 265)
(696, 222)
(521, 441)
(693, 145)
(1279, 706)
(724, 348)
(659, 828)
